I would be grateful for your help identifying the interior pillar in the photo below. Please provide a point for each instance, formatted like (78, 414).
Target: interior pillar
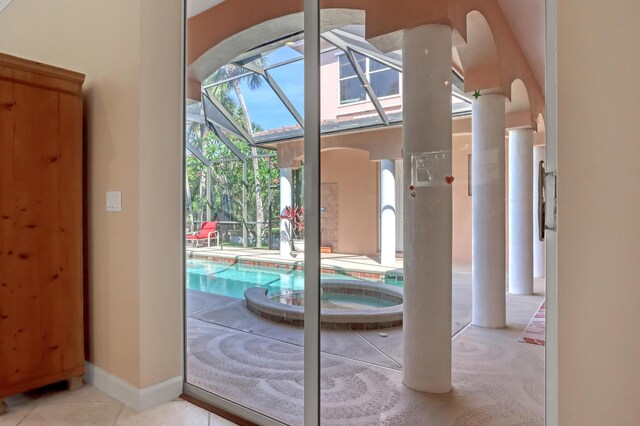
(286, 200)
(427, 228)
(488, 211)
(520, 211)
(387, 213)
(538, 246)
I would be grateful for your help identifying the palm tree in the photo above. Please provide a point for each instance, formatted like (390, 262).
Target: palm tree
(221, 92)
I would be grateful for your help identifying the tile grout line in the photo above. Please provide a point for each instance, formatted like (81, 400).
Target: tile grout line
(36, 405)
(202, 311)
(379, 350)
(298, 346)
(26, 415)
(396, 370)
(119, 414)
(459, 332)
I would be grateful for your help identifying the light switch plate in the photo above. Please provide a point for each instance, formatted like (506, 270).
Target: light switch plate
(114, 201)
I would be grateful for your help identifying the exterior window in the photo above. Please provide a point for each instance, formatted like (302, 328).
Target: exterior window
(384, 80)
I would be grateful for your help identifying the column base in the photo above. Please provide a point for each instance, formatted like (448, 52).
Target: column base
(435, 389)
(488, 325)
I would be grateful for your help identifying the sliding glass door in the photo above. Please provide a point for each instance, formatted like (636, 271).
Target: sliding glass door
(252, 210)
(303, 191)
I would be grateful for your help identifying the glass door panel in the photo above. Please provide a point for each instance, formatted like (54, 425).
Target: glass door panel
(244, 214)
(371, 210)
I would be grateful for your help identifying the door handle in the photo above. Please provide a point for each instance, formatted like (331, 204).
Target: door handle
(541, 201)
(547, 201)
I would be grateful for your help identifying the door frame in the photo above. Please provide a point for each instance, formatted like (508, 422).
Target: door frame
(551, 240)
(312, 329)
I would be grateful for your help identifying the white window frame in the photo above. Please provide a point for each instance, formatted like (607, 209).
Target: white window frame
(367, 73)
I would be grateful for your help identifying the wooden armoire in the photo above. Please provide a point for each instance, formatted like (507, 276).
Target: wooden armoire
(41, 226)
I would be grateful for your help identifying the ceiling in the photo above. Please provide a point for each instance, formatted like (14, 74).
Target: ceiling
(526, 18)
(527, 21)
(195, 7)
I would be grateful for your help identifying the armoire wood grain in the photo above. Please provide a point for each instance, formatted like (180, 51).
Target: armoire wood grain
(41, 230)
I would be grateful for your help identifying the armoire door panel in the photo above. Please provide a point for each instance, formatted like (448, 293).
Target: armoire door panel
(70, 230)
(41, 229)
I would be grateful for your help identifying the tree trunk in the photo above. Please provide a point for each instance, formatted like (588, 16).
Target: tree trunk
(256, 166)
(203, 190)
(190, 216)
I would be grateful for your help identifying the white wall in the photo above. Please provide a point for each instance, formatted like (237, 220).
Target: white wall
(599, 212)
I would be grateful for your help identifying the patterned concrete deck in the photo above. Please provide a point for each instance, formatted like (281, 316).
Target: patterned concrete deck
(237, 355)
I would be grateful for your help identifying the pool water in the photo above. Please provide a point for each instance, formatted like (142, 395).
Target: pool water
(336, 301)
(233, 280)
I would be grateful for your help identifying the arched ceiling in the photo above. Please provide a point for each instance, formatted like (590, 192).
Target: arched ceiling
(512, 27)
(519, 98)
(195, 7)
(527, 21)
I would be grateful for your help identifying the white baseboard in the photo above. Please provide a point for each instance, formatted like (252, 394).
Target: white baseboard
(138, 399)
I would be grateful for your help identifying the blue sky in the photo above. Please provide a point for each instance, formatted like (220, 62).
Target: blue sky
(263, 104)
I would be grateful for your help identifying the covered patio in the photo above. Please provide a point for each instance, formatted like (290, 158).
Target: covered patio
(411, 174)
(236, 354)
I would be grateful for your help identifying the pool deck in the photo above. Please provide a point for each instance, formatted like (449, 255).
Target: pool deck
(349, 264)
(242, 357)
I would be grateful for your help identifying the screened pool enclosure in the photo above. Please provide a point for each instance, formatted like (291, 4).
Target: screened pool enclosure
(255, 102)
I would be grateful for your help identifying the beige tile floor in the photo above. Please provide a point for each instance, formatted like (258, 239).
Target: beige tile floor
(54, 406)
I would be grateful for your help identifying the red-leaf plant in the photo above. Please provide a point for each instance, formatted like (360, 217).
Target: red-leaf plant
(295, 216)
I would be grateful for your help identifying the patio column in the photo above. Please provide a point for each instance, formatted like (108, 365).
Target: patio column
(538, 246)
(285, 201)
(520, 211)
(427, 227)
(387, 213)
(488, 211)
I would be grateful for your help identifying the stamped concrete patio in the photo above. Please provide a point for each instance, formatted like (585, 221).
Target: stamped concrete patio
(240, 356)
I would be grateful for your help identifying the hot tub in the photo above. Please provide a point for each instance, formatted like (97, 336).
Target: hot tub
(353, 305)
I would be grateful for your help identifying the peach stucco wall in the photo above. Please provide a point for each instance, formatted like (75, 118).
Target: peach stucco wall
(330, 108)
(357, 180)
(367, 148)
(133, 145)
(112, 116)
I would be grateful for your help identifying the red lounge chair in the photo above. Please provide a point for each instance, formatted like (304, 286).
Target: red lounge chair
(208, 230)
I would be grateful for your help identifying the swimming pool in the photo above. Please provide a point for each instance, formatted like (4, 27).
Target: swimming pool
(233, 280)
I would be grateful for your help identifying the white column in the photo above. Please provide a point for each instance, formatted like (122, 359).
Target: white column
(538, 246)
(387, 213)
(286, 200)
(520, 208)
(427, 224)
(488, 211)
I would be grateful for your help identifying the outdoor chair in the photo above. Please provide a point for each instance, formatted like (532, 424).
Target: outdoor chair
(208, 230)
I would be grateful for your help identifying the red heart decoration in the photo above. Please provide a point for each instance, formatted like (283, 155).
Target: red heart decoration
(411, 187)
(449, 179)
